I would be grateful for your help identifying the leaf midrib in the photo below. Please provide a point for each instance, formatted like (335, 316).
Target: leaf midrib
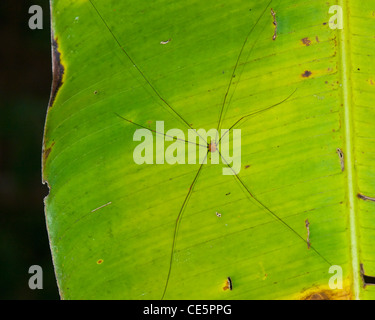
(344, 44)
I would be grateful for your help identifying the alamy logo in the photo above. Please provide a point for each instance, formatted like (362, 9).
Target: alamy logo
(36, 20)
(184, 149)
(36, 280)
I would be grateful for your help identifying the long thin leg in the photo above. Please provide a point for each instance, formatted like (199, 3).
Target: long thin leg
(257, 112)
(141, 73)
(236, 65)
(270, 211)
(161, 133)
(178, 220)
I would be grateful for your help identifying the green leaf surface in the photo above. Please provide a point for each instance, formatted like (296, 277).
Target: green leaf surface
(299, 91)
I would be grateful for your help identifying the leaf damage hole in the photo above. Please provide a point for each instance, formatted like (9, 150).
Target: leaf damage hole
(165, 42)
(367, 280)
(273, 13)
(341, 156)
(307, 224)
(228, 284)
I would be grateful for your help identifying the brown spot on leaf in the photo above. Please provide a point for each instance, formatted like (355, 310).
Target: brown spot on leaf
(317, 296)
(57, 71)
(325, 293)
(306, 41)
(328, 295)
(46, 153)
(306, 74)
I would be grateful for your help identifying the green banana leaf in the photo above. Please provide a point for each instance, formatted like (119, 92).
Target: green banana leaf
(289, 215)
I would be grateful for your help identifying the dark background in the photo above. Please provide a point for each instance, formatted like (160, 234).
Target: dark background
(25, 84)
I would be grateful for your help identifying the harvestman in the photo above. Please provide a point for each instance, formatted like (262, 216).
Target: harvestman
(211, 147)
